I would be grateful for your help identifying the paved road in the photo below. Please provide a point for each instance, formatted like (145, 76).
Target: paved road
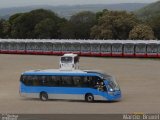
(139, 80)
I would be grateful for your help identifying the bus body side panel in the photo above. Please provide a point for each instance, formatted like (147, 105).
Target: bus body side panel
(128, 50)
(85, 49)
(95, 54)
(47, 48)
(76, 48)
(34, 48)
(5, 47)
(152, 50)
(57, 53)
(128, 54)
(12, 48)
(71, 93)
(140, 55)
(152, 55)
(47, 52)
(12, 52)
(117, 50)
(21, 48)
(95, 49)
(106, 50)
(0, 46)
(29, 48)
(106, 54)
(158, 50)
(60, 92)
(67, 48)
(66, 93)
(76, 52)
(57, 49)
(85, 53)
(38, 48)
(140, 50)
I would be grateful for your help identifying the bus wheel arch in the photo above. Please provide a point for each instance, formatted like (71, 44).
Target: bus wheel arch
(89, 97)
(43, 96)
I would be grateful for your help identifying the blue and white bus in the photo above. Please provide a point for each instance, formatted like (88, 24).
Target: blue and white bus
(71, 85)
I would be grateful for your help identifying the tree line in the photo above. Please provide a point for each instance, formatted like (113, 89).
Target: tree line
(45, 24)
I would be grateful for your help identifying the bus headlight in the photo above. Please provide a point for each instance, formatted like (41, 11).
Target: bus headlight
(111, 90)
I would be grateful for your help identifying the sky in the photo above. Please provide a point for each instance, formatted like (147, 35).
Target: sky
(13, 3)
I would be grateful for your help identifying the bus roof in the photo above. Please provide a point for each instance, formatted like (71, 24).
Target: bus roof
(70, 55)
(89, 41)
(62, 72)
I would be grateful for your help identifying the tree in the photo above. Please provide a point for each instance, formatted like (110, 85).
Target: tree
(141, 32)
(46, 29)
(101, 13)
(1, 28)
(114, 25)
(4, 29)
(82, 23)
(67, 31)
(98, 32)
(23, 25)
(13, 17)
(154, 22)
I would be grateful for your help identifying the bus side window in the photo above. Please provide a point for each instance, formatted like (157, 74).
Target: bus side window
(94, 81)
(53, 81)
(35, 81)
(27, 80)
(77, 81)
(67, 81)
(50, 80)
(86, 81)
(42, 81)
(58, 81)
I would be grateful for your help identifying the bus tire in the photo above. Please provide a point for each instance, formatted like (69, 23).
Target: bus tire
(43, 96)
(89, 97)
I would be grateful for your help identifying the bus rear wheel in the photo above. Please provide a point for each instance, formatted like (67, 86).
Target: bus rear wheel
(89, 98)
(43, 96)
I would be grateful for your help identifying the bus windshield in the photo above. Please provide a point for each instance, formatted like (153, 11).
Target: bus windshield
(66, 59)
(111, 81)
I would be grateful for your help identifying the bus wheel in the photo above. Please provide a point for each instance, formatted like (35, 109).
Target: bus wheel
(43, 96)
(89, 98)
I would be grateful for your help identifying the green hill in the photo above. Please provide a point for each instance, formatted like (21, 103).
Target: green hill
(68, 11)
(150, 10)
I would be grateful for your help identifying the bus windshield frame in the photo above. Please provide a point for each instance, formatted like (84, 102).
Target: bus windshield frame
(66, 59)
(110, 80)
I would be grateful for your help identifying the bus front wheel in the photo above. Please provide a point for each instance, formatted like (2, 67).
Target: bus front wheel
(43, 96)
(89, 98)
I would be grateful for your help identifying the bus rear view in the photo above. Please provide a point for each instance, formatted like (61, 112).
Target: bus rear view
(69, 62)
